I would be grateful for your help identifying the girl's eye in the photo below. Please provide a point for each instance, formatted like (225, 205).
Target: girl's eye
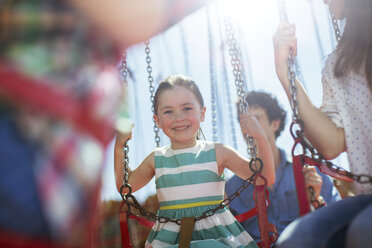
(167, 112)
(187, 108)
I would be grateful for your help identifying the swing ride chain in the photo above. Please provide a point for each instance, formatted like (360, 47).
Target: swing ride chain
(212, 77)
(125, 168)
(291, 63)
(124, 68)
(185, 50)
(336, 27)
(318, 158)
(316, 203)
(134, 203)
(296, 119)
(237, 72)
(226, 80)
(152, 89)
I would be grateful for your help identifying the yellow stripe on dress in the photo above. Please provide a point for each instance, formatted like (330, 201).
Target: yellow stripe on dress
(190, 205)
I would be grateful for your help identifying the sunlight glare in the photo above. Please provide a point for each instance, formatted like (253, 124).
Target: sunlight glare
(251, 13)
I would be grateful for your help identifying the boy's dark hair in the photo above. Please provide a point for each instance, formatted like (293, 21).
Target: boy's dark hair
(270, 104)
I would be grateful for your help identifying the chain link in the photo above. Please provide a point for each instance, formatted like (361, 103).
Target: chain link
(145, 213)
(317, 204)
(228, 94)
(185, 50)
(237, 72)
(318, 158)
(124, 68)
(293, 63)
(226, 79)
(291, 68)
(126, 163)
(152, 89)
(212, 76)
(336, 27)
(293, 89)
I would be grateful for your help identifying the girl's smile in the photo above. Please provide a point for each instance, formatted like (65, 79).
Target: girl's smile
(181, 128)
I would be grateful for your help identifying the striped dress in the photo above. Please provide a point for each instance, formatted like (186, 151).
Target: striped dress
(188, 184)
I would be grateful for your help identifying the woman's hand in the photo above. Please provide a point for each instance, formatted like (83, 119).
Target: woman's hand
(285, 45)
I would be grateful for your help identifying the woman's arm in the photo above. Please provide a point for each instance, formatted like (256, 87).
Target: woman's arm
(322, 133)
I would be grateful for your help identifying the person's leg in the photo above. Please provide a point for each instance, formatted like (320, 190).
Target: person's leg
(316, 229)
(360, 230)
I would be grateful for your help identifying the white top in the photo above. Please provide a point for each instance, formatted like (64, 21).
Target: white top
(348, 102)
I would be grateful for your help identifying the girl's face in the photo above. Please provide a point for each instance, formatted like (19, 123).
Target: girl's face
(179, 116)
(336, 7)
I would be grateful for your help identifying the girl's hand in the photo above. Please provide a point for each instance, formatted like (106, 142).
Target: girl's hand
(313, 179)
(285, 44)
(250, 126)
(121, 139)
(124, 132)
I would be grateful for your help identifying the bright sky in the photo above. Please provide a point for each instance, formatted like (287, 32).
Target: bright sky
(256, 22)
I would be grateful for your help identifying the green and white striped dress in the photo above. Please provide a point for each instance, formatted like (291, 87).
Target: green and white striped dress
(188, 184)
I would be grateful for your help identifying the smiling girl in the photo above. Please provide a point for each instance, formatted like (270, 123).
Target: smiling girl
(188, 171)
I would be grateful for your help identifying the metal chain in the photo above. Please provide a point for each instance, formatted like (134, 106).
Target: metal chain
(336, 27)
(237, 72)
(291, 71)
(317, 204)
(226, 82)
(185, 50)
(126, 163)
(152, 89)
(131, 201)
(212, 76)
(293, 101)
(293, 89)
(228, 96)
(318, 158)
(294, 63)
(124, 68)
(244, 56)
(134, 203)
